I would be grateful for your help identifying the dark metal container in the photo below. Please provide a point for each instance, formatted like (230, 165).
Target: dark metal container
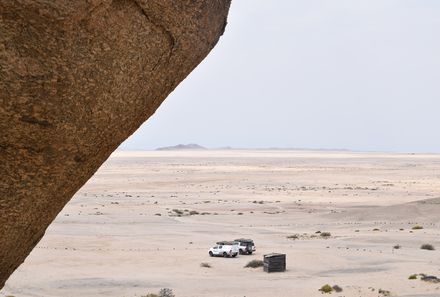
(275, 262)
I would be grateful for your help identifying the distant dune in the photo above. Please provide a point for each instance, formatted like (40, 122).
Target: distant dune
(190, 146)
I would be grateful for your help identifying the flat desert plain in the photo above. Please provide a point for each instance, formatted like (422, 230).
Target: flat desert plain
(146, 220)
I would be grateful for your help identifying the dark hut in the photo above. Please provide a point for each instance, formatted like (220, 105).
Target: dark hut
(275, 262)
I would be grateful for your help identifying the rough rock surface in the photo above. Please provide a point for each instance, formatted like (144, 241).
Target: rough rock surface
(76, 79)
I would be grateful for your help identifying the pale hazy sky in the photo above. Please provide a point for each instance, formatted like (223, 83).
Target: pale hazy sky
(352, 74)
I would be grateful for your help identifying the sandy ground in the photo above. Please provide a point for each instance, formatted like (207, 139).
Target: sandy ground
(119, 236)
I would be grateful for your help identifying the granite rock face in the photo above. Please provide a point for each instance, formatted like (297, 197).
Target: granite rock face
(76, 79)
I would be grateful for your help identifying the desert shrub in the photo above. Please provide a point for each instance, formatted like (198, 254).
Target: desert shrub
(417, 227)
(193, 212)
(326, 234)
(178, 211)
(150, 295)
(206, 265)
(413, 276)
(317, 232)
(166, 292)
(337, 289)
(254, 264)
(376, 229)
(326, 289)
(429, 278)
(427, 246)
(397, 247)
(294, 236)
(384, 292)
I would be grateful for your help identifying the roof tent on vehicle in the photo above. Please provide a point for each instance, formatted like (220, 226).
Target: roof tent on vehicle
(244, 240)
(226, 242)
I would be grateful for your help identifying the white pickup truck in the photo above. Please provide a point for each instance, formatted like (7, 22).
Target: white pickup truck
(224, 249)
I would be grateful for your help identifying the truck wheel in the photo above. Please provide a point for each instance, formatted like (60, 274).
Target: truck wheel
(250, 252)
(225, 255)
(234, 255)
(240, 252)
(211, 254)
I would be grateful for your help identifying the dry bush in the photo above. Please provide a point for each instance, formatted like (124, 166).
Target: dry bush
(326, 289)
(254, 264)
(166, 292)
(384, 292)
(427, 246)
(325, 234)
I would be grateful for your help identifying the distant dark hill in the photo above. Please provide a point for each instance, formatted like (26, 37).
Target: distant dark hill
(191, 146)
